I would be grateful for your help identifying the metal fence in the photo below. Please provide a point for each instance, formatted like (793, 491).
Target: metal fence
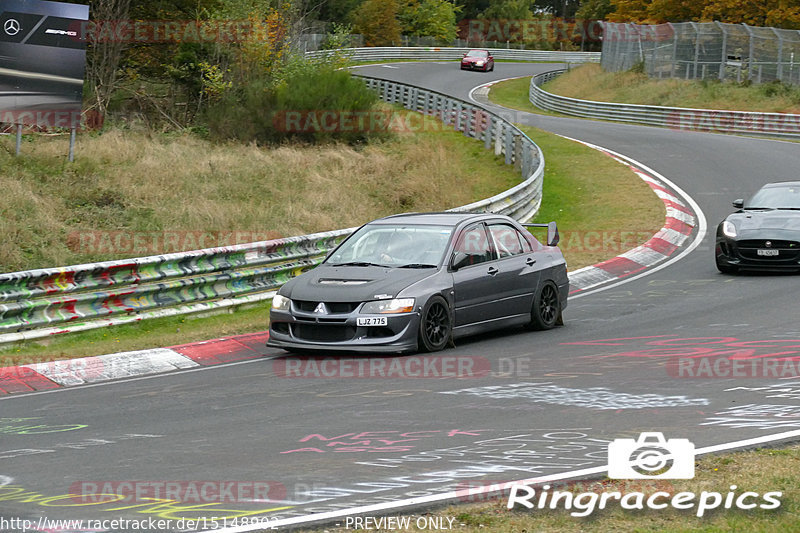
(38, 303)
(775, 125)
(379, 53)
(710, 50)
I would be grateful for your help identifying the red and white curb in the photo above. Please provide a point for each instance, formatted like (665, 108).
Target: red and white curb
(88, 370)
(680, 222)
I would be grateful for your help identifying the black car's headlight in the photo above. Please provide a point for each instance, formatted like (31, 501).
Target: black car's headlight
(396, 305)
(281, 303)
(728, 229)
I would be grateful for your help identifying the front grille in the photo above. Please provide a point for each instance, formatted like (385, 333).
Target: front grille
(333, 307)
(788, 251)
(762, 243)
(323, 333)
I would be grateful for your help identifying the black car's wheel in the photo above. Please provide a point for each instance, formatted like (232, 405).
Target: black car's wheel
(726, 269)
(546, 311)
(435, 326)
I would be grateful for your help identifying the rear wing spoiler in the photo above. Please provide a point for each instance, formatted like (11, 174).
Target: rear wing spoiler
(552, 232)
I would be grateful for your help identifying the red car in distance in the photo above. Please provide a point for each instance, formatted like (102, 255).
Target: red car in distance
(477, 60)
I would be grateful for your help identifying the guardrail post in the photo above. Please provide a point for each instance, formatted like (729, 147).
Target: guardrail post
(487, 131)
(508, 142)
(518, 152)
(498, 138)
(459, 111)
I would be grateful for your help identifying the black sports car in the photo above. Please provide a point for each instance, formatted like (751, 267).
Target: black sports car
(764, 234)
(414, 281)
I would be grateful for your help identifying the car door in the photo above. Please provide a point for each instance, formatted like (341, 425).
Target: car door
(472, 266)
(517, 275)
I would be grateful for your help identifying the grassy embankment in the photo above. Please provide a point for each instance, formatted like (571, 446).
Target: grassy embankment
(140, 183)
(590, 82)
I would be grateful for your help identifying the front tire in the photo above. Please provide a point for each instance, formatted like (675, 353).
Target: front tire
(435, 325)
(546, 310)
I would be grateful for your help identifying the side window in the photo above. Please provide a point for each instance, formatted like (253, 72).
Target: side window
(508, 241)
(474, 244)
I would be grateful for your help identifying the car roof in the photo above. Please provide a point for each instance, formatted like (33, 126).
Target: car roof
(447, 218)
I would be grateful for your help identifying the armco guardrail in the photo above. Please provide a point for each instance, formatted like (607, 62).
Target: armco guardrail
(38, 303)
(423, 53)
(777, 125)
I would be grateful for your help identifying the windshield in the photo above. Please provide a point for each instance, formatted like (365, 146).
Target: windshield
(400, 245)
(782, 197)
(478, 53)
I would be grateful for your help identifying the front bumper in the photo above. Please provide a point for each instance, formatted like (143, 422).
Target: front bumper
(473, 66)
(743, 254)
(304, 331)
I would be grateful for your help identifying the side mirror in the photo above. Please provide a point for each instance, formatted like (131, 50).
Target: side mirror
(552, 234)
(738, 204)
(460, 259)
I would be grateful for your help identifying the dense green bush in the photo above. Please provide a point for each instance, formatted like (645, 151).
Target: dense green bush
(306, 100)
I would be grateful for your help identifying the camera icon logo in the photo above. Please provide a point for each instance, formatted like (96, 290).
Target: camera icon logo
(651, 457)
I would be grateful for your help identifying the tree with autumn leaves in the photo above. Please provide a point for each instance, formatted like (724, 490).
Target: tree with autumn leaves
(382, 22)
(775, 13)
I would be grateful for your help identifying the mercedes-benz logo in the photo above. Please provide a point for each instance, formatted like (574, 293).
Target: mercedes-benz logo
(768, 244)
(12, 27)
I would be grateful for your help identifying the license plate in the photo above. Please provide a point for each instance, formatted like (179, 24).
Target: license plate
(767, 253)
(371, 321)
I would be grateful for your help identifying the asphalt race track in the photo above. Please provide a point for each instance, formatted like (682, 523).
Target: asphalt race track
(513, 405)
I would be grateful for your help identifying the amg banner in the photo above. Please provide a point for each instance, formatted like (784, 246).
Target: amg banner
(42, 63)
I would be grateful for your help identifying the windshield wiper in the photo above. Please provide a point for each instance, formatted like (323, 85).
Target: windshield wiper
(356, 264)
(762, 208)
(417, 265)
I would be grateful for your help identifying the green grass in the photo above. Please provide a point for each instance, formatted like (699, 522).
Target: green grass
(155, 333)
(590, 82)
(760, 471)
(147, 185)
(513, 94)
(582, 190)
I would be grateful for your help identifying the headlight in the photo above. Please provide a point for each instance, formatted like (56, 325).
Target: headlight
(728, 229)
(281, 303)
(479, 63)
(397, 305)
